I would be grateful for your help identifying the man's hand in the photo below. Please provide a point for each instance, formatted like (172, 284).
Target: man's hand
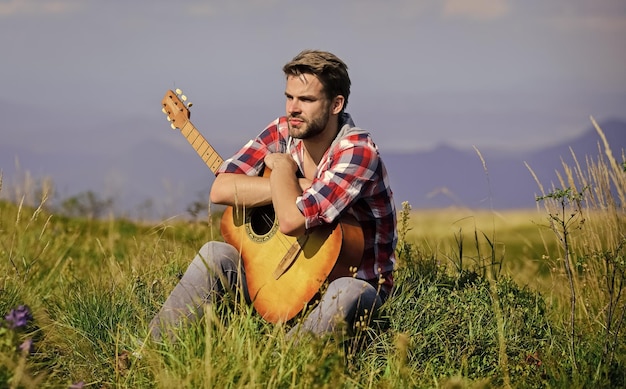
(282, 162)
(272, 161)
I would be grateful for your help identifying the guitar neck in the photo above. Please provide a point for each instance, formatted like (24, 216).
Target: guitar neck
(208, 154)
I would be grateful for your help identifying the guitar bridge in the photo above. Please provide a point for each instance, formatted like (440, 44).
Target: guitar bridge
(290, 256)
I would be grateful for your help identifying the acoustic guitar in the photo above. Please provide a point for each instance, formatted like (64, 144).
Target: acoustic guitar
(283, 273)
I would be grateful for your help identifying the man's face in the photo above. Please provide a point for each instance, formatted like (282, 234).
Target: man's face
(308, 109)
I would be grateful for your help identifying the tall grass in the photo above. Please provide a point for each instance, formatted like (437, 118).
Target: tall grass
(485, 308)
(587, 214)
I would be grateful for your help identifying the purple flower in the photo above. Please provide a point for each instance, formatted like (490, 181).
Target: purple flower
(27, 346)
(19, 317)
(78, 385)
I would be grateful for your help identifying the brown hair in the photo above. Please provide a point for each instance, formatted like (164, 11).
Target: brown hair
(329, 69)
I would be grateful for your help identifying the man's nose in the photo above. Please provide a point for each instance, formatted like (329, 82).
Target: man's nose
(293, 106)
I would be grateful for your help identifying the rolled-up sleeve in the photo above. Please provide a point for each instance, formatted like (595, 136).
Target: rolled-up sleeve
(344, 180)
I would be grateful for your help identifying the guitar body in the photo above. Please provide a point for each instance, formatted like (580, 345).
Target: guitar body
(328, 252)
(283, 273)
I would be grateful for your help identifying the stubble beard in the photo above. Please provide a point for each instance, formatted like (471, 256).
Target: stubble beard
(310, 128)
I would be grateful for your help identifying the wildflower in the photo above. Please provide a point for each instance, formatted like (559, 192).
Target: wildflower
(19, 317)
(27, 346)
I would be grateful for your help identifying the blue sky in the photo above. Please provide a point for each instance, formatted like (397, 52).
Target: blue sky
(486, 73)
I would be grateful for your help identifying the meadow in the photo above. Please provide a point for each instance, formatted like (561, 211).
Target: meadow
(484, 298)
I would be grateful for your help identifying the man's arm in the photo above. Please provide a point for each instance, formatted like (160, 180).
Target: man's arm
(285, 188)
(241, 190)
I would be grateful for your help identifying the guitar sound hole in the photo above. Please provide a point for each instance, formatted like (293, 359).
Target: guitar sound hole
(262, 220)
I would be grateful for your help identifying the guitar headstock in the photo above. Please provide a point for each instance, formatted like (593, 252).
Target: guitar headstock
(176, 108)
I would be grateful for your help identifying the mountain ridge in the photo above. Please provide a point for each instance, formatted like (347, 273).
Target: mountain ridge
(171, 177)
(488, 178)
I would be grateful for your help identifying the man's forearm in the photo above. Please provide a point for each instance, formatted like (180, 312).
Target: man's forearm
(285, 188)
(241, 190)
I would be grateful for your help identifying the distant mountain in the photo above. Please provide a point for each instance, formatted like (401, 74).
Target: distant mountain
(166, 174)
(447, 176)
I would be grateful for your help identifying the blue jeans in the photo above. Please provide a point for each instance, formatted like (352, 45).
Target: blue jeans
(217, 271)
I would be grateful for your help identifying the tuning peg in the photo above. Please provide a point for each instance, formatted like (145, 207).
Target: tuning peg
(173, 126)
(163, 110)
(179, 92)
(189, 105)
(169, 119)
(183, 98)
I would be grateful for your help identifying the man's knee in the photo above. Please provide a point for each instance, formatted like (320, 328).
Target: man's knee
(350, 289)
(217, 255)
(352, 297)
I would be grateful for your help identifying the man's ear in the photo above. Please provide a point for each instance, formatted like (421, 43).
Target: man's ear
(337, 105)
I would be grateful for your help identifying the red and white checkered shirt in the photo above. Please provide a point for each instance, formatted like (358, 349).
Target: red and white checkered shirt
(351, 177)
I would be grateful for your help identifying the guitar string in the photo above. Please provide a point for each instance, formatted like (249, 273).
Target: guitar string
(270, 223)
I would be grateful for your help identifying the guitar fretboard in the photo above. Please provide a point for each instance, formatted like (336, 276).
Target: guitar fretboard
(208, 154)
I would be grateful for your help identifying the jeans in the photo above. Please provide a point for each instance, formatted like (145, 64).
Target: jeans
(217, 271)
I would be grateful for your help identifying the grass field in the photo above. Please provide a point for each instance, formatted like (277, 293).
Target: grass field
(525, 298)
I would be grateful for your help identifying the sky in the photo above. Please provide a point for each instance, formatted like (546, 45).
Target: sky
(508, 74)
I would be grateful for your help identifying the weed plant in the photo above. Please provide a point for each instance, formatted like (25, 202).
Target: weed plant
(475, 309)
(587, 215)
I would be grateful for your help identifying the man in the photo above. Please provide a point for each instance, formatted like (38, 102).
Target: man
(322, 167)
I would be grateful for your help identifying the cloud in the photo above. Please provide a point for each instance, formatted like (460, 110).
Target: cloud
(211, 9)
(21, 7)
(202, 9)
(373, 11)
(601, 16)
(479, 10)
(606, 23)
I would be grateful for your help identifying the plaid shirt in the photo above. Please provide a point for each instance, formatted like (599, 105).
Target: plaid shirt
(351, 177)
